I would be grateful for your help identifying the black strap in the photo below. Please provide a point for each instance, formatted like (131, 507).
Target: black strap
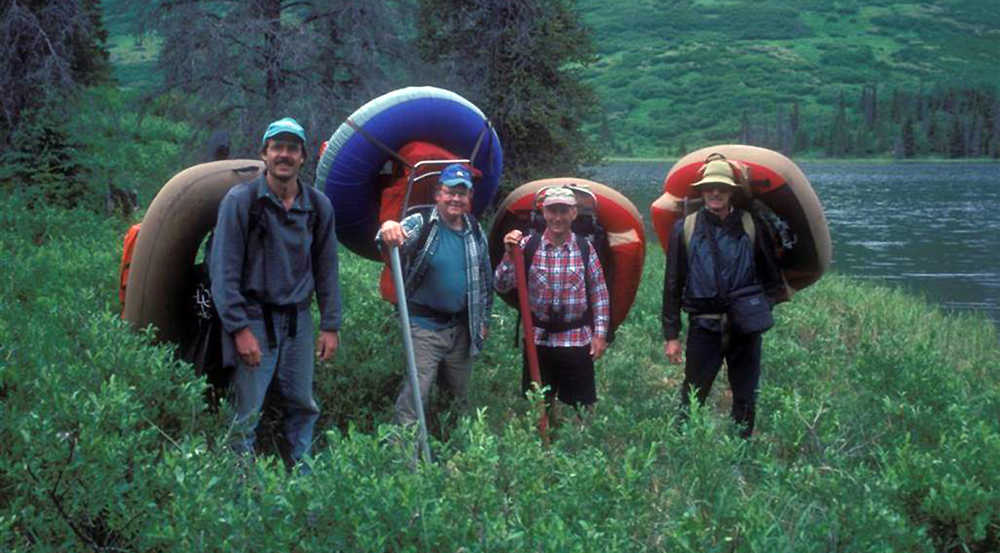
(479, 140)
(291, 311)
(376, 142)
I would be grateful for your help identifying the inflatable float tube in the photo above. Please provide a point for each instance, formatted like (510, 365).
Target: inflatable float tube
(348, 170)
(616, 213)
(175, 224)
(774, 180)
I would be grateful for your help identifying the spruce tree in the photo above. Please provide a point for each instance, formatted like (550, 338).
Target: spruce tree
(519, 61)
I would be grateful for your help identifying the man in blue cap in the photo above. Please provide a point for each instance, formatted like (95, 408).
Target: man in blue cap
(448, 280)
(274, 246)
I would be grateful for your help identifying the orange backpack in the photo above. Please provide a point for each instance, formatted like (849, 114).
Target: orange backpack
(128, 246)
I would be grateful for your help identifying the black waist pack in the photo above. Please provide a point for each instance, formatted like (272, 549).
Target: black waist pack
(749, 311)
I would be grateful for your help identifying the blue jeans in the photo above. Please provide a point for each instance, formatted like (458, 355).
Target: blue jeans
(292, 363)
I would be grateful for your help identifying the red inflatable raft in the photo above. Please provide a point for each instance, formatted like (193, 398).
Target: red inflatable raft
(774, 180)
(619, 217)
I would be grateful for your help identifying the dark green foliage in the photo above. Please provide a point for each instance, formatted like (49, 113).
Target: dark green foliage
(47, 47)
(521, 63)
(717, 60)
(877, 432)
(51, 161)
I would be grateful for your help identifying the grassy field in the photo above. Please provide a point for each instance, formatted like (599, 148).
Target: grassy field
(877, 431)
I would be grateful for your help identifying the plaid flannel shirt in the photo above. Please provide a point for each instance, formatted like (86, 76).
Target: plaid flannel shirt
(557, 288)
(477, 262)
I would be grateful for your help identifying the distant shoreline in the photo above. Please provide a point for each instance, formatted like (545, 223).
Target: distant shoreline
(859, 160)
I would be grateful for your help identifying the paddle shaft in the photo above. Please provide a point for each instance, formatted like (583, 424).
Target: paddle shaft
(528, 328)
(411, 363)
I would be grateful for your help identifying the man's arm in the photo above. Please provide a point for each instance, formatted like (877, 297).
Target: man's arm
(768, 272)
(673, 283)
(486, 273)
(403, 234)
(226, 264)
(600, 304)
(600, 299)
(326, 266)
(504, 279)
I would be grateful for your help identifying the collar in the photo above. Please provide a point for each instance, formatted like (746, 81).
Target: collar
(303, 202)
(466, 221)
(547, 239)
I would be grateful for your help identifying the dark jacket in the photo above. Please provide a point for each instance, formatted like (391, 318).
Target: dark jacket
(296, 254)
(690, 282)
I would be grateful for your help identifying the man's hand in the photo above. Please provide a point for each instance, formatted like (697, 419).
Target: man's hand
(392, 234)
(326, 344)
(597, 347)
(672, 349)
(512, 239)
(247, 347)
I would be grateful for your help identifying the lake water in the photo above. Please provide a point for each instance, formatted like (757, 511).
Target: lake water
(930, 227)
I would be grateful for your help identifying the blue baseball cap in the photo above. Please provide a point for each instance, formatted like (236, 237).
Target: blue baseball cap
(284, 125)
(456, 174)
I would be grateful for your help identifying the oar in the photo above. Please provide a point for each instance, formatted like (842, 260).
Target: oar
(411, 363)
(528, 328)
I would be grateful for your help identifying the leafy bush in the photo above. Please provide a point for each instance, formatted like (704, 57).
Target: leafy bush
(877, 431)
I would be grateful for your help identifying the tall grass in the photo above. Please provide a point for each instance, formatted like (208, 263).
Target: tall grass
(878, 431)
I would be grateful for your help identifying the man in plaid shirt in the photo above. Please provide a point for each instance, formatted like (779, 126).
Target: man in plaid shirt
(448, 281)
(571, 318)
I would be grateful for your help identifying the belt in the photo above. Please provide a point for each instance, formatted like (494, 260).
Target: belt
(708, 315)
(266, 311)
(441, 317)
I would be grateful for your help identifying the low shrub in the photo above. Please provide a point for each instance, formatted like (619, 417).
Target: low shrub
(877, 431)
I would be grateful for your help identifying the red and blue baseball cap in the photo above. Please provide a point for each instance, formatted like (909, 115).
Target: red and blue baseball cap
(456, 174)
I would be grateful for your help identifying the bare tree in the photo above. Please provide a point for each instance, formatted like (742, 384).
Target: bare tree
(519, 60)
(248, 61)
(46, 47)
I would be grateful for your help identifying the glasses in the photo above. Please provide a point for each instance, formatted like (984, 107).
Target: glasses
(455, 192)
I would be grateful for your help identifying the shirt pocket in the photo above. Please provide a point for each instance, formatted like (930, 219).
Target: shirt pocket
(576, 283)
(539, 281)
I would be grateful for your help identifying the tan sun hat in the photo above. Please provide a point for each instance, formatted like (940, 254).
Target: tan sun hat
(717, 171)
(560, 195)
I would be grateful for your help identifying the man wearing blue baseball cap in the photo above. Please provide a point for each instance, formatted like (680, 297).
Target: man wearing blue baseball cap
(448, 280)
(274, 246)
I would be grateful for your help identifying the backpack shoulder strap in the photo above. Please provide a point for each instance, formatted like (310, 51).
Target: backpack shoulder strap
(749, 227)
(689, 222)
(584, 245)
(425, 228)
(530, 248)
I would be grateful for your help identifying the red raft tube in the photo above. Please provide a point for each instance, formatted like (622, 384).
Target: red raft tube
(779, 184)
(615, 213)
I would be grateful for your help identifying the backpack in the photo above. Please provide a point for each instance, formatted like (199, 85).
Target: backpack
(588, 230)
(128, 249)
(781, 234)
(746, 219)
(203, 348)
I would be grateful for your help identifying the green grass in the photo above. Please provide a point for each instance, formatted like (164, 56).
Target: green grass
(878, 431)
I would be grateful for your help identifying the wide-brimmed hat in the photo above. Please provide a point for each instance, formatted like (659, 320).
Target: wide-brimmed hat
(717, 171)
(559, 196)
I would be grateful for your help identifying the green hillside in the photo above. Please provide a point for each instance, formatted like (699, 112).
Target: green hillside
(674, 75)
